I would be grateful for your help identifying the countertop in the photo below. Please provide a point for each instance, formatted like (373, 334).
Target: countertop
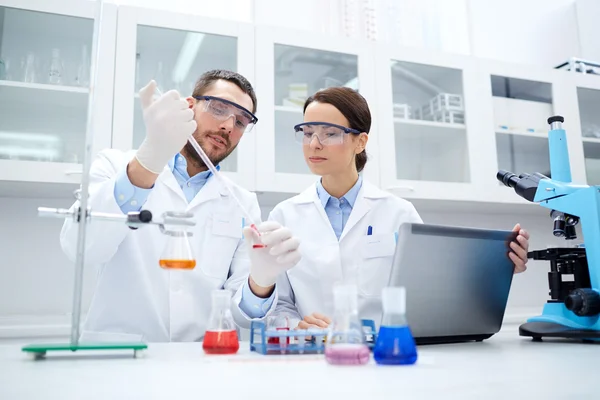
(505, 366)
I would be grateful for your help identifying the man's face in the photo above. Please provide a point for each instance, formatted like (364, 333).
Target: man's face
(218, 138)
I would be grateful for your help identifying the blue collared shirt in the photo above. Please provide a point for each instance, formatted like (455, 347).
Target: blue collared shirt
(338, 210)
(131, 198)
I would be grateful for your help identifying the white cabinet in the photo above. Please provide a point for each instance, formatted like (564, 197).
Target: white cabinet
(425, 127)
(290, 66)
(175, 49)
(588, 105)
(518, 102)
(45, 53)
(442, 125)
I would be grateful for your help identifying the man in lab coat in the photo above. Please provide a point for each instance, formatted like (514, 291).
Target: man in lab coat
(135, 299)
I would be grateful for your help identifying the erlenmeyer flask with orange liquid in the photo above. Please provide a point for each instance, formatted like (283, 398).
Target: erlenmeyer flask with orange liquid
(178, 252)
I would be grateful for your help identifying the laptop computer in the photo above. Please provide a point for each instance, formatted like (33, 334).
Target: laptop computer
(457, 281)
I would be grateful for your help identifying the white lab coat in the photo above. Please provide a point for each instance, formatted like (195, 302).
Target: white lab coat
(135, 299)
(307, 288)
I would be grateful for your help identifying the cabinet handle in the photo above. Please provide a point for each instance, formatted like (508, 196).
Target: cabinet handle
(409, 188)
(73, 172)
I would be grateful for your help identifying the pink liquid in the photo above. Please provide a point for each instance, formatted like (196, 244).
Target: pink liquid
(347, 354)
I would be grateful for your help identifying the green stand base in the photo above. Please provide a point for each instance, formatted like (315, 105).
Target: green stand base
(38, 351)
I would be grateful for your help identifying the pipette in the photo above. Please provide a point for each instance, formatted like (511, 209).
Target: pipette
(211, 167)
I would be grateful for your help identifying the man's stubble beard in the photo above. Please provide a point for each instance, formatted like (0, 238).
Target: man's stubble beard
(194, 157)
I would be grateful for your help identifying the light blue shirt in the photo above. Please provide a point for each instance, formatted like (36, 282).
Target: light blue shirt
(338, 210)
(131, 198)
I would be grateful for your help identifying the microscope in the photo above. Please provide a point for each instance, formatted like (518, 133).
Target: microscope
(573, 310)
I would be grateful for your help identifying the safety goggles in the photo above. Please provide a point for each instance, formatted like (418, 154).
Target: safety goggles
(328, 134)
(223, 109)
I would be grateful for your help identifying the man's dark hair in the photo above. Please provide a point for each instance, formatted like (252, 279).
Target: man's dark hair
(209, 77)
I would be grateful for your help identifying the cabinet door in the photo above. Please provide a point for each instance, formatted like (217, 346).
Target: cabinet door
(291, 66)
(45, 56)
(174, 50)
(588, 101)
(424, 108)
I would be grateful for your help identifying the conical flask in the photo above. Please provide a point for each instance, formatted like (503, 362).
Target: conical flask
(178, 252)
(395, 344)
(221, 334)
(345, 343)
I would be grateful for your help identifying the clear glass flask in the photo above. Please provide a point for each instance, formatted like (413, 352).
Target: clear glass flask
(57, 70)
(3, 69)
(83, 72)
(29, 72)
(221, 334)
(395, 344)
(178, 252)
(345, 344)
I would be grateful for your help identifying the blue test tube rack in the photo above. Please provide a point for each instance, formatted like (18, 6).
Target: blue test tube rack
(294, 341)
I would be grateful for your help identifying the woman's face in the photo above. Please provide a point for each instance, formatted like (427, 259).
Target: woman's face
(333, 158)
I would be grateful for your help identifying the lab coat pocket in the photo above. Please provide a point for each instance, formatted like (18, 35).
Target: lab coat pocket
(220, 244)
(377, 253)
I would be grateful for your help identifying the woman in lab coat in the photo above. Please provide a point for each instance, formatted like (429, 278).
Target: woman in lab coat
(333, 217)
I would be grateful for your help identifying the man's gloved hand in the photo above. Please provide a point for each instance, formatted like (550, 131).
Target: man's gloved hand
(280, 254)
(169, 123)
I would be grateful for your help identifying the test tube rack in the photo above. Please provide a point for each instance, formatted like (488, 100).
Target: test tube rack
(268, 342)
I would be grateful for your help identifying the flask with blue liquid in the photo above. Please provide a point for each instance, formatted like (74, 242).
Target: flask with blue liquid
(395, 344)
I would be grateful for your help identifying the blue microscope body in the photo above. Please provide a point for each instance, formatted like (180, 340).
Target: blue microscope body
(574, 278)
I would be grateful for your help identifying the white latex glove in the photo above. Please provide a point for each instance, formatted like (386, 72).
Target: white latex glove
(169, 123)
(280, 254)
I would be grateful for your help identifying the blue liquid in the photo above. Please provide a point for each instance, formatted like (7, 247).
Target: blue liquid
(395, 346)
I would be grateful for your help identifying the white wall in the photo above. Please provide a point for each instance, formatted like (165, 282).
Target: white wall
(236, 10)
(541, 32)
(588, 14)
(36, 278)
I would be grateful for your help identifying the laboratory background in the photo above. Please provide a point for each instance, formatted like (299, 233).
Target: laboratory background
(458, 89)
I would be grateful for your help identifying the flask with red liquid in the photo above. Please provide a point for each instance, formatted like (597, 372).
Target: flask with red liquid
(345, 344)
(221, 334)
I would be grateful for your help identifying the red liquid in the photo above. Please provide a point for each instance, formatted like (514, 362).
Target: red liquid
(257, 246)
(347, 354)
(275, 340)
(221, 342)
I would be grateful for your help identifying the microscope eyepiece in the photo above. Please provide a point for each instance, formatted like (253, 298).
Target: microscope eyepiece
(507, 178)
(556, 118)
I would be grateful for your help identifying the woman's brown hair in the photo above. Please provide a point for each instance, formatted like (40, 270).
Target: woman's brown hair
(353, 106)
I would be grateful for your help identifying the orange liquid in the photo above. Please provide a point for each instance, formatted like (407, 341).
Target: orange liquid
(177, 264)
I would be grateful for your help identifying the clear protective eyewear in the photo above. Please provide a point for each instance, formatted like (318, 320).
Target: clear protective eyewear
(223, 109)
(327, 133)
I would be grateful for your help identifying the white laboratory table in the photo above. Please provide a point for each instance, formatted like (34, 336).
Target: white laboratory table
(503, 367)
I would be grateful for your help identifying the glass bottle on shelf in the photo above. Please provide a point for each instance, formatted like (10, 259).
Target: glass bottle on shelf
(3, 68)
(137, 72)
(83, 72)
(29, 72)
(57, 70)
